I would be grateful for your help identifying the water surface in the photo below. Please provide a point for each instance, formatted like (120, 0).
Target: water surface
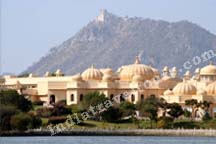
(107, 140)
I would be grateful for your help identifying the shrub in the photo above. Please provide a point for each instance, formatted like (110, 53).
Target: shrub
(57, 120)
(39, 103)
(20, 122)
(11, 97)
(112, 114)
(165, 122)
(44, 112)
(36, 121)
(75, 108)
(60, 109)
(6, 112)
(186, 125)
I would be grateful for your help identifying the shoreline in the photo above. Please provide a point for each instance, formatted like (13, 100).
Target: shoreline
(126, 132)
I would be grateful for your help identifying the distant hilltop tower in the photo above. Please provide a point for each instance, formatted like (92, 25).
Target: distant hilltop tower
(101, 16)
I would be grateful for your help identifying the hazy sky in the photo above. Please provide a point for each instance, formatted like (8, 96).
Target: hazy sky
(29, 28)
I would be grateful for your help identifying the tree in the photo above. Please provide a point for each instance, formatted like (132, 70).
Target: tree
(93, 99)
(175, 110)
(11, 97)
(149, 108)
(127, 108)
(112, 114)
(6, 112)
(194, 104)
(20, 122)
(163, 105)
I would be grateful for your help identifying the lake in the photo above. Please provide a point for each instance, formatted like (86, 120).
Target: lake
(107, 140)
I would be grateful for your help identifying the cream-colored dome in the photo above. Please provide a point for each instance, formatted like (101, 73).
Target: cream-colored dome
(168, 92)
(208, 70)
(92, 74)
(197, 71)
(107, 78)
(47, 74)
(129, 71)
(211, 89)
(137, 78)
(77, 77)
(58, 72)
(32, 75)
(187, 73)
(166, 69)
(184, 88)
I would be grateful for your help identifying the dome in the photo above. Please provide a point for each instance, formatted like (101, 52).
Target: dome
(32, 75)
(168, 92)
(197, 71)
(77, 77)
(108, 71)
(166, 69)
(129, 71)
(58, 72)
(187, 73)
(174, 69)
(107, 78)
(208, 70)
(184, 88)
(92, 74)
(211, 89)
(138, 78)
(47, 74)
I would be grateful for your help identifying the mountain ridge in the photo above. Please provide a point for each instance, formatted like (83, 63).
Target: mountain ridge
(112, 41)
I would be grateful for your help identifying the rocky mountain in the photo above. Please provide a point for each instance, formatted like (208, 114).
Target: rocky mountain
(112, 41)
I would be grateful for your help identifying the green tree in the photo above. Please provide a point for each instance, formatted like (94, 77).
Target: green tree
(112, 114)
(21, 122)
(175, 110)
(93, 99)
(163, 105)
(149, 108)
(11, 97)
(6, 112)
(127, 108)
(194, 104)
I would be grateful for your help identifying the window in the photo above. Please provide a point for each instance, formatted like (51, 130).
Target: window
(52, 99)
(111, 96)
(72, 97)
(142, 97)
(122, 98)
(132, 98)
(81, 97)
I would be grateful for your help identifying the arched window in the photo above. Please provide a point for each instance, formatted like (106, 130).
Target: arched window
(142, 97)
(132, 98)
(72, 97)
(52, 99)
(81, 97)
(111, 96)
(122, 98)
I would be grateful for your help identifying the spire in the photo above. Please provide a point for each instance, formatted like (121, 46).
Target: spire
(92, 66)
(137, 60)
(210, 63)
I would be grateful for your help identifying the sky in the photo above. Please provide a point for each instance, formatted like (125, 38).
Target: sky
(29, 28)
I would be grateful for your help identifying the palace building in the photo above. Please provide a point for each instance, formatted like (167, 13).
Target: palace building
(139, 80)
